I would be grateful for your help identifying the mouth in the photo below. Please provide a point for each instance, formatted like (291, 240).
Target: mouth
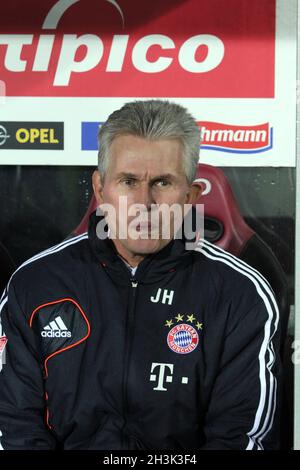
(145, 227)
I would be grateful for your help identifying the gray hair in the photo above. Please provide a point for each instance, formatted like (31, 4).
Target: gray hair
(152, 119)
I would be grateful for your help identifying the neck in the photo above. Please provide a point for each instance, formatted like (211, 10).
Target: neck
(131, 258)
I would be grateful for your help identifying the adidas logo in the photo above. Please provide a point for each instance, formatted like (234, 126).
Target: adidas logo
(56, 329)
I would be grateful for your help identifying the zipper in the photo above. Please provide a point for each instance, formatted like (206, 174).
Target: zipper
(128, 343)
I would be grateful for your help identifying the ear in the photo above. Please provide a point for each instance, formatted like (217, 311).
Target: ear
(193, 193)
(97, 187)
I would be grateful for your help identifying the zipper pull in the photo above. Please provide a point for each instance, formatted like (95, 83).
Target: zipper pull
(134, 286)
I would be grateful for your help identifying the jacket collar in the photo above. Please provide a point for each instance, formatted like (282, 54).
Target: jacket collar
(151, 269)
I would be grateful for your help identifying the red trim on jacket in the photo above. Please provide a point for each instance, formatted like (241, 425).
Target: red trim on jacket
(67, 347)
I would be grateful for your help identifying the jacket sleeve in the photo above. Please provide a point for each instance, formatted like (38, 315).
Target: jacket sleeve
(243, 409)
(22, 404)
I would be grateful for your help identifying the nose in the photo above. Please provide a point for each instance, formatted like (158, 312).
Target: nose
(144, 195)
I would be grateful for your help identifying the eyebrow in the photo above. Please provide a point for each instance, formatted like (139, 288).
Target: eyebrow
(155, 178)
(125, 175)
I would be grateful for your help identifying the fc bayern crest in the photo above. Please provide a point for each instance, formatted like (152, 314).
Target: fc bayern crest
(183, 339)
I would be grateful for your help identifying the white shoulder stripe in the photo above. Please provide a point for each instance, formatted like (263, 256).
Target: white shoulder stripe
(266, 429)
(240, 266)
(50, 251)
(234, 259)
(259, 429)
(255, 431)
(268, 367)
(3, 295)
(53, 248)
(3, 302)
(43, 254)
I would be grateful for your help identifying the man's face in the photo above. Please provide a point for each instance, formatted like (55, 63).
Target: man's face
(147, 173)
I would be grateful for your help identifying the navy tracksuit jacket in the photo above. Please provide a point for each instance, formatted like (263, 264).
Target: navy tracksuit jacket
(184, 355)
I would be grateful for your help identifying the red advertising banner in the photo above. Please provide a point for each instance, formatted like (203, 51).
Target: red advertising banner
(236, 139)
(121, 48)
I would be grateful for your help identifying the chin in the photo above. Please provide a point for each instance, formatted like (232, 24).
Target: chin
(146, 247)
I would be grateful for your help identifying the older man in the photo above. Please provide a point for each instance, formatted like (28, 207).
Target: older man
(124, 338)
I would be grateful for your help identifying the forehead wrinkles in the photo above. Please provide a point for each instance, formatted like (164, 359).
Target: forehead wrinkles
(140, 163)
(147, 176)
(138, 156)
(133, 145)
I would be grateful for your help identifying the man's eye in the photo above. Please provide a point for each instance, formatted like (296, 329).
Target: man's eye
(129, 181)
(162, 183)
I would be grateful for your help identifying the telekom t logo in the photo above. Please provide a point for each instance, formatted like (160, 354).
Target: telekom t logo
(161, 375)
(164, 375)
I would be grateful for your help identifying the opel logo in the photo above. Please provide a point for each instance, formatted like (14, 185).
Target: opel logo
(3, 135)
